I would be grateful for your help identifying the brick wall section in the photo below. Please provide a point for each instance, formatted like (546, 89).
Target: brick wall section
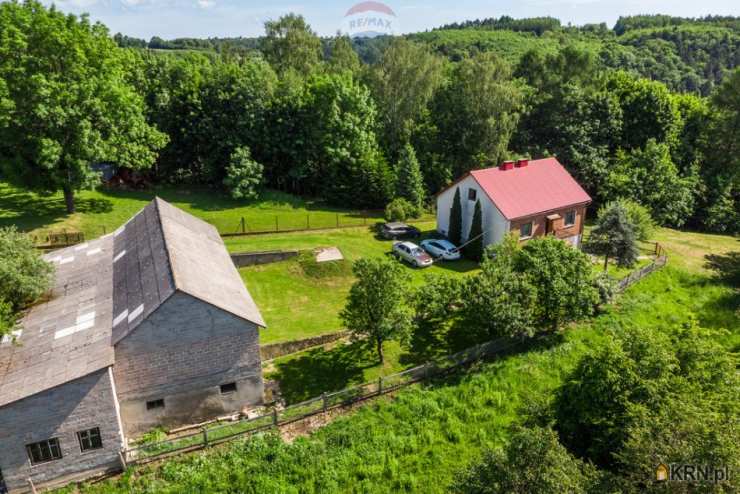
(60, 413)
(539, 223)
(182, 353)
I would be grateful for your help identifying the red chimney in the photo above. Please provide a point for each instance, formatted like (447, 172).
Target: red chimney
(522, 163)
(507, 165)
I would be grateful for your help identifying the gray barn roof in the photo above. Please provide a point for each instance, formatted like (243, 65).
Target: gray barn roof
(105, 288)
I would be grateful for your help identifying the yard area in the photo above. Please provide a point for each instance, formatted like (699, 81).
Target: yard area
(102, 211)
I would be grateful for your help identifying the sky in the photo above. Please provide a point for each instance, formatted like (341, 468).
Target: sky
(230, 18)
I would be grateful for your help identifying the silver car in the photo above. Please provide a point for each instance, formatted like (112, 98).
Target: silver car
(441, 249)
(413, 254)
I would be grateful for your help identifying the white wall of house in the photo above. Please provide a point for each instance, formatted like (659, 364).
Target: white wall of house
(495, 225)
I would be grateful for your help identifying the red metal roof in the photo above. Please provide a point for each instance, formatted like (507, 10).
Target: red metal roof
(541, 186)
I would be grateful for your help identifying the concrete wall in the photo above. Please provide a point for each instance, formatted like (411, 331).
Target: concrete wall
(60, 413)
(243, 259)
(182, 353)
(495, 225)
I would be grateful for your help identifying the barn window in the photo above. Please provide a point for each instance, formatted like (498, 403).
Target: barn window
(525, 231)
(90, 439)
(153, 405)
(228, 388)
(472, 194)
(44, 451)
(570, 218)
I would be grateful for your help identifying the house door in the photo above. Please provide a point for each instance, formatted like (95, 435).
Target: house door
(3, 489)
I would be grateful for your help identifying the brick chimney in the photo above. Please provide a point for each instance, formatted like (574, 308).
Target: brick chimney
(507, 165)
(522, 163)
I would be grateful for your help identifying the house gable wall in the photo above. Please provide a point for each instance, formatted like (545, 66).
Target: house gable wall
(60, 413)
(495, 225)
(539, 224)
(182, 353)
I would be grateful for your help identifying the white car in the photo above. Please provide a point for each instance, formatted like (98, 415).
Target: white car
(413, 254)
(443, 249)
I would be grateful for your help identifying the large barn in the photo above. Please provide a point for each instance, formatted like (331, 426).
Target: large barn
(532, 198)
(150, 325)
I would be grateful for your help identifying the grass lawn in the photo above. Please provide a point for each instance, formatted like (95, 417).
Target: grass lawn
(296, 305)
(101, 211)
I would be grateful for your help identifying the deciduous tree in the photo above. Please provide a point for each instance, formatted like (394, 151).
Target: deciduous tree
(24, 275)
(68, 100)
(377, 306)
(243, 175)
(290, 44)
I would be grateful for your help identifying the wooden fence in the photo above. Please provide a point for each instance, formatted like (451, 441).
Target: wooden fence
(321, 404)
(660, 260)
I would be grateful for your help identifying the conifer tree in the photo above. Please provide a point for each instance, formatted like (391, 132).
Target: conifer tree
(454, 232)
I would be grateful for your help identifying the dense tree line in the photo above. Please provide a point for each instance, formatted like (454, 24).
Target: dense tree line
(308, 116)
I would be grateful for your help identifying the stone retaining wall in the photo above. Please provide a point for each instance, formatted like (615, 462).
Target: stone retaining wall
(276, 350)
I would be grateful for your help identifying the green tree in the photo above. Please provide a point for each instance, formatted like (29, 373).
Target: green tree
(533, 461)
(650, 177)
(24, 275)
(69, 102)
(474, 247)
(409, 181)
(500, 301)
(454, 232)
(476, 113)
(290, 44)
(614, 236)
(399, 209)
(640, 218)
(342, 56)
(649, 111)
(403, 83)
(342, 159)
(243, 175)
(562, 277)
(377, 307)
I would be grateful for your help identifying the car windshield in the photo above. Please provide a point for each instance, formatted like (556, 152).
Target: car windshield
(417, 252)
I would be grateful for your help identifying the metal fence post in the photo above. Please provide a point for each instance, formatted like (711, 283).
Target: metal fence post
(205, 436)
(274, 417)
(244, 225)
(277, 227)
(325, 401)
(380, 385)
(308, 221)
(337, 220)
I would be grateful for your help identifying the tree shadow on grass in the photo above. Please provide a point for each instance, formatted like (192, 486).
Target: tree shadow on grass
(29, 211)
(725, 266)
(318, 371)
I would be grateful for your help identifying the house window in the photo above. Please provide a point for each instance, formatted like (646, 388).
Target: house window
(570, 218)
(153, 405)
(90, 439)
(228, 388)
(525, 231)
(472, 194)
(44, 451)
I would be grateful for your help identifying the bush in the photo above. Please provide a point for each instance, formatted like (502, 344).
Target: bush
(7, 318)
(24, 275)
(607, 288)
(399, 209)
(243, 175)
(534, 461)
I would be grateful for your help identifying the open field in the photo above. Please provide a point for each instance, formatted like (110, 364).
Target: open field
(102, 211)
(417, 440)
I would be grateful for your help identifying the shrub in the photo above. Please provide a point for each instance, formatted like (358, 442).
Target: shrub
(243, 175)
(607, 288)
(399, 209)
(534, 461)
(638, 215)
(24, 275)
(7, 318)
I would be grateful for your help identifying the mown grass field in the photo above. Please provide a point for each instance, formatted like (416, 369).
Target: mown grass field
(102, 211)
(417, 440)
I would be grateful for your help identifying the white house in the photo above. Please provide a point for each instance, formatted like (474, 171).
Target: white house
(532, 197)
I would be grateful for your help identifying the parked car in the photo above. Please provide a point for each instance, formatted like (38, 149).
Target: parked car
(441, 249)
(395, 231)
(413, 254)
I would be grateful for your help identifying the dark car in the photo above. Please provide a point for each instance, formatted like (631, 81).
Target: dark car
(395, 231)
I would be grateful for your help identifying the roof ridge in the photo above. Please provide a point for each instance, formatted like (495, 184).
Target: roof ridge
(165, 240)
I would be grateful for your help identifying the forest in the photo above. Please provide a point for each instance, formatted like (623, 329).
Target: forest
(648, 111)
